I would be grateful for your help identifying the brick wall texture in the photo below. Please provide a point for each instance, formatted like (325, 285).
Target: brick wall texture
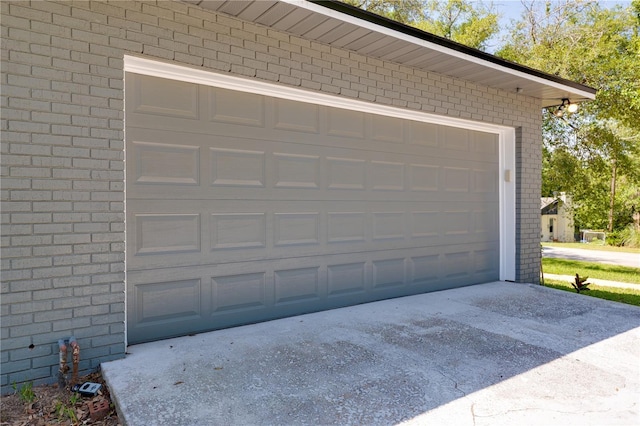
(62, 123)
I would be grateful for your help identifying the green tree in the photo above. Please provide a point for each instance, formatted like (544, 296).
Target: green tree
(594, 151)
(463, 21)
(404, 11)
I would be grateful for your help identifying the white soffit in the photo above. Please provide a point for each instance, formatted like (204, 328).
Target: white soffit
(338, 25)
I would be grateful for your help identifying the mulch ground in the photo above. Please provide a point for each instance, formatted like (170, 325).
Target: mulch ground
(53, 406)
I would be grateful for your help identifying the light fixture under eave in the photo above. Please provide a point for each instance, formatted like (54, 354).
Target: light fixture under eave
(565, 105)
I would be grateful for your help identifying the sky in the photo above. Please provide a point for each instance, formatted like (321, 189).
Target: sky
(512, 10)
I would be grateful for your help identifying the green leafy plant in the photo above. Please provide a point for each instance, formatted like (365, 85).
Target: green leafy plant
(65, 412)
(27, 394)
(615, 239)
(73, 399)
(580, 284)
(630, 236)
(65, 409)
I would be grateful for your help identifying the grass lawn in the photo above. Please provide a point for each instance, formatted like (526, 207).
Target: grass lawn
(593, 246)
(623, 295)
(622, 274)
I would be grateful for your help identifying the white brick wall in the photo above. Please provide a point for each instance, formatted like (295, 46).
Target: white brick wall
(62, 150)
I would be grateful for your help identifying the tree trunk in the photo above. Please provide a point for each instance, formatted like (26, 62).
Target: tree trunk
(613, 194)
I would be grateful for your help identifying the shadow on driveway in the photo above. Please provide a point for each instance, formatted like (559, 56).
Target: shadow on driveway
(497, 353)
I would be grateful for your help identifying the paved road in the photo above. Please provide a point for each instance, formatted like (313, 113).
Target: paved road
(610, 257)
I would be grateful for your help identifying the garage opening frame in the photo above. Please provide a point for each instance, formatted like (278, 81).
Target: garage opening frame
(506, 135)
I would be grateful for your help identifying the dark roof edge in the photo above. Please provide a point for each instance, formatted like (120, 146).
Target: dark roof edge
(432, 38)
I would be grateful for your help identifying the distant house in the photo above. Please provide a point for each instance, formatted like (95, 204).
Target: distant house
(557, 218)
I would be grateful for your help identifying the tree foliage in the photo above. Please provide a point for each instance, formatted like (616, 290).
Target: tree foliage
(404, 11)
(462, 21)
(595, 153)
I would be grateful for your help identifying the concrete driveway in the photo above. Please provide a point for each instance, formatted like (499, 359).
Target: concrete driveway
(491, 354)
(613, 258)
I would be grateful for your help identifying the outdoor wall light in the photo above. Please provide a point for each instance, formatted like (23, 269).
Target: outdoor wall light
(566, 105)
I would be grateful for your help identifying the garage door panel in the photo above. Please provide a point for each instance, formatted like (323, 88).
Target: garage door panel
(424, 177)
(388, 225)
(246, 292)
(344, 123)
(167, 233)
(175, 235)
(345, 173)
(296, 229)
(296, 171)
(389, 273)
(423, 134)
(162, 302)
(387, 176)
(241, 266)
(240, 292)
(237, 168)
(485, 144)
(457, 264)
(346, 278)
(240, 108)
(347, 227)
(455, 223)
(424, 224)
(485, 222)
(190, 171)
(238, 231)
(454, 138)
(296, 116)
(243, 208)
(484, 181)
(165, 163)
(387, 129)
(156, 96)
(227, 111)
(484, 261)
(345, 188)
(481, 152)
(425, 270)
(297, 285)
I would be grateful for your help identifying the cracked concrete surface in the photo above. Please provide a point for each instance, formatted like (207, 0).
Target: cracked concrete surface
(491, 354)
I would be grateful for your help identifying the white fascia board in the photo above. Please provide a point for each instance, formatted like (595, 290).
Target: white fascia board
(506, 135)
(433, 46)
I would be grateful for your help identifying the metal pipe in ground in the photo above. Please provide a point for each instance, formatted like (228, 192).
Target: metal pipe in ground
(75, 359)
(63, 345)
(63, 368)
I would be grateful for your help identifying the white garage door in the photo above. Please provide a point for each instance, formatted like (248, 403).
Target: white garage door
(243, 207)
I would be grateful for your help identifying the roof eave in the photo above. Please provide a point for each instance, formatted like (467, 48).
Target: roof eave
(347, 27)
(444, 42)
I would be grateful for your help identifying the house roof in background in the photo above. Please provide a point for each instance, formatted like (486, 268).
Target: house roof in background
(337, 24)
(547, 201)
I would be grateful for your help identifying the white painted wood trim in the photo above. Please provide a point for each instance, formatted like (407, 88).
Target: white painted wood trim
(208, 78)
(506, 134)
(507, 190)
